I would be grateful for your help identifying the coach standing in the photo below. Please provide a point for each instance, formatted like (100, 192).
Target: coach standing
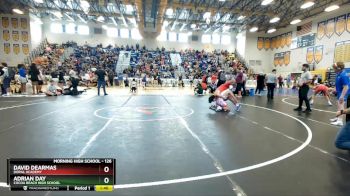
(305, 80)
(271, 81)
(342, 87)
(101, 80)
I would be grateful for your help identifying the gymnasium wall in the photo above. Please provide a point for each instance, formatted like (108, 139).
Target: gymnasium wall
(93, 39)
(15, 39)
(298, 56)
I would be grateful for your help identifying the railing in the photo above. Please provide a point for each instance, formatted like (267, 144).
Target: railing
(36, 52)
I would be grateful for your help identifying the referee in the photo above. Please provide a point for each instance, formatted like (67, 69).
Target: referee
(305, 80)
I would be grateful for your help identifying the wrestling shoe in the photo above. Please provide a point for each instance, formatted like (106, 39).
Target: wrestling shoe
(307, 111)
(333, 119)
(297, 109)
(330, 103)
(238, 107)
(337, 123)
(311, 102)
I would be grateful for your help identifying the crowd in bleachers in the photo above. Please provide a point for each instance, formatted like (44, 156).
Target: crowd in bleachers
(145, 63)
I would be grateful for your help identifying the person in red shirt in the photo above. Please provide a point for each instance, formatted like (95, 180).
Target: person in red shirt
(321, 88)
(224, 92)
(280, 81)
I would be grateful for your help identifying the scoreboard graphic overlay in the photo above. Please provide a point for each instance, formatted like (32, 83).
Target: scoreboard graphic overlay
(61, 174)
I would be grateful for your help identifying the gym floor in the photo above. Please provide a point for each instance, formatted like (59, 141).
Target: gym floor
(175, 145)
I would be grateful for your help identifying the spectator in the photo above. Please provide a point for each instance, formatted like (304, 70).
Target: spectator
(133, 86)
(6, 80)
(303, 84)
(271, 81)
(239, 81)
(280, 81)
(34, 77)
(260, 81)
(101, 80)
(22, 77)
(52, 90)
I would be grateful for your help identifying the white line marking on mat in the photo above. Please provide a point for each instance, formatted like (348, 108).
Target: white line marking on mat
(23, 105)
(311, 146)
(235, 187)
(286, 102)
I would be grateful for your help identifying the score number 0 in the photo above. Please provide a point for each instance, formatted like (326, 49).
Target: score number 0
(106, 170)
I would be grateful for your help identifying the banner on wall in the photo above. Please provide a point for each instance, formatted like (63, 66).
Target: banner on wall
(25, 49)
(6, 35)
(273, 43)
(267, 43)
(16, 48)
(278, 42)
(15, 36)
(340, 25)
(318, 54)
(275, 59)
(281, 59)
(286, 58)
(310, 55)
(25, 36)
(342, 51)
(321, 29)
(14, 22)
(330, 27)
(283, 40)
(289, 39)
(24, 23)
(260, 43)
(7, 48)
(5, 22)
(348, 23)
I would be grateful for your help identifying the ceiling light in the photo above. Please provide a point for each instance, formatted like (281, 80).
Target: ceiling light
(254, 29)
(169, 12)
(100, 19)
(331, 8)
(296, 21)
(104, 27)
(17, 11)
(241, 17)
(85, 5)
(193, 26)
(129, 8)
(266, 2)
(271, 30)
(206, 15)
(307, 4)
(222, 0)
(207, 21)
(274, 20)
(39, 1)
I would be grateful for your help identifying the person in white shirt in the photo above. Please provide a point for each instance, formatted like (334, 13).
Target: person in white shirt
(133, 86)
(303, 84)
(271, 81)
